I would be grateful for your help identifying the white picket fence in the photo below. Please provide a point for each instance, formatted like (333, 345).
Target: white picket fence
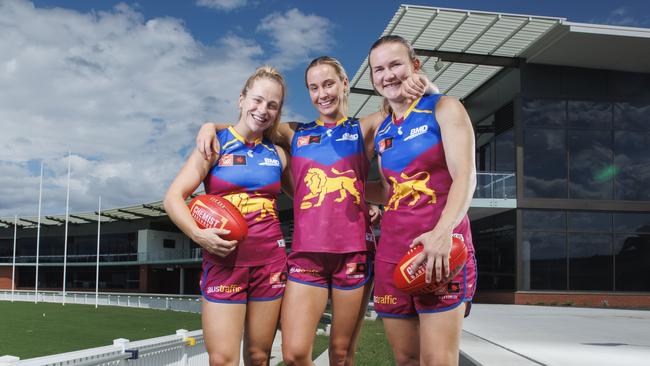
(182, 349)
(186, 303)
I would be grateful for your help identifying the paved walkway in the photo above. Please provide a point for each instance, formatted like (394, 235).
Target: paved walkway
(504, 335)
(548, 335)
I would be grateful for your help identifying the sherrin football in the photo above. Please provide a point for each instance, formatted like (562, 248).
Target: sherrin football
(212, 211)
(413, 281)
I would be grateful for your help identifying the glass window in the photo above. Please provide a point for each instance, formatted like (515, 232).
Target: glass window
(544, 220)
(545, 262)
(494, 239)
(589, 115)
(632, 116)
(590, 221)
(545, 163)
(632, 162)
(591, 169)
(169, 243)
(590, 262)
(632, 262)
(505, 152)
(544, 112)
(632, 222)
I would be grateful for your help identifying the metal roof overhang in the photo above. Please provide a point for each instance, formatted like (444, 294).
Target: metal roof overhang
(129, 213)
(459, 49)
(594, 46)
(147, 210)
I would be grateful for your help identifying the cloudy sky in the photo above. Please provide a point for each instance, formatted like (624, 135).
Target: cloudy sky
(124, 86)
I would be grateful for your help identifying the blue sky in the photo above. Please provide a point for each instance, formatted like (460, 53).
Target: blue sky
(125, 85)
(352, 25)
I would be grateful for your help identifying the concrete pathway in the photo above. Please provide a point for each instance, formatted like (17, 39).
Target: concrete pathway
(517, 335)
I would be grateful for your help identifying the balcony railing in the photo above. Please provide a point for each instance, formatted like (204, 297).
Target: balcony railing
(495, 185)
(192, 254)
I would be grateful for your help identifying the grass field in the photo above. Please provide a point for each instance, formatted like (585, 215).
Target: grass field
(373, 346)
(31, 330)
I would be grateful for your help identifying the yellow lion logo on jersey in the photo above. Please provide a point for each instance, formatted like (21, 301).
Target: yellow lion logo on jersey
(410, 186)
(248, 204)
(320, 185)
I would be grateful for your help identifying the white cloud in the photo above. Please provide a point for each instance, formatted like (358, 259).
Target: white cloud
(225, 5)
(623, 17)
(126, 95)
(296, 36)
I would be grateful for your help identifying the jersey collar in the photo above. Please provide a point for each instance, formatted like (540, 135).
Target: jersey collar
(242, 139)
(330, 125)
(398, 121)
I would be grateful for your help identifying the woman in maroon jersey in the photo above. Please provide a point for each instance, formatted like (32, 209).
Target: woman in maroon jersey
(426, 156)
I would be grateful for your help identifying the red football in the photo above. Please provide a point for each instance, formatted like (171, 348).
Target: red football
(212, 211)
(413, 281)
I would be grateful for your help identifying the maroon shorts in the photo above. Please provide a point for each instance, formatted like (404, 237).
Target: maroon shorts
(391, 302)
(345, 271)
(243, 284)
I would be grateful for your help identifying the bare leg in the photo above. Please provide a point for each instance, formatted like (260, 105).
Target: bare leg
(302, 308)
(222, 331)
(346, 311)
(403, 337)
(261, 325)
(440, 336)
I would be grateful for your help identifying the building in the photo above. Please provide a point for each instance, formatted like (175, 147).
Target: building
(565, 107)
(561, 112)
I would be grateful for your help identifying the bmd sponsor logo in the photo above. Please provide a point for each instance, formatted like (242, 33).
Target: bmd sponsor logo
(270, 162)
(348, 137)
(415, 132)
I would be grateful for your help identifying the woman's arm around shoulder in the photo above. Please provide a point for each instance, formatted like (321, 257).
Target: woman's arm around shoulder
(369, 125)
(285, 134)
(206, 139)
(287, 178)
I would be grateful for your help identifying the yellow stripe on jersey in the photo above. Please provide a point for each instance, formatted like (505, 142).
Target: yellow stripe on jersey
(240, 137)
(408, 111)
(267, 147)
(321, 123)
(233, 141)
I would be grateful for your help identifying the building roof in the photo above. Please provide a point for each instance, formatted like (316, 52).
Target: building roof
(144, 210)
(462, 49)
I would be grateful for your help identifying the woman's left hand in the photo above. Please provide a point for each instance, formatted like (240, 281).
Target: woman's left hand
(437, 246)
(414, 86)
(375, 214)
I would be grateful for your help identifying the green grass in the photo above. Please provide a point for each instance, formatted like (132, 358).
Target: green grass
(31, 330)
(373, 346)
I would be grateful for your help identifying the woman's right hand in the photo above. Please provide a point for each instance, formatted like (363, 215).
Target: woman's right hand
(206, 140)
(210, 240)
